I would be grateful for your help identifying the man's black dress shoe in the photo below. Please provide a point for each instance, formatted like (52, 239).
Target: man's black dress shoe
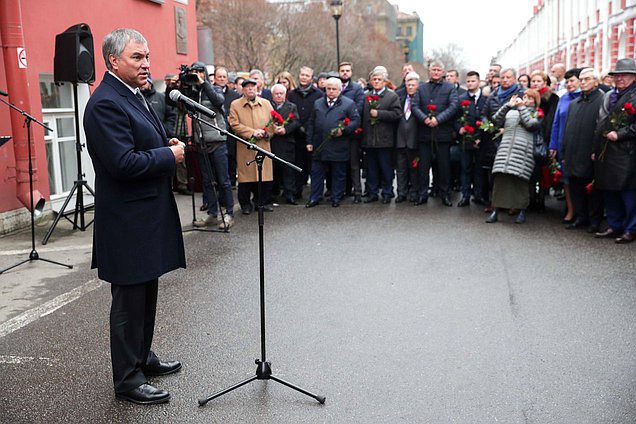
(162, 368)
(446, 202)
(246, 210)
(421, 201)
(577, 223)
(371, 199)
(357, 199)
(386, 200)
(268, 208)
(625, 238)
(400, 199)
(290, 201)
(144, 395)
(609, 233)
(335, 204)
(464, 202)
(204, 207)
(311, 204)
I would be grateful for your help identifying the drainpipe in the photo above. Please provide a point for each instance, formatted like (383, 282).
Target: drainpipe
(12, 39)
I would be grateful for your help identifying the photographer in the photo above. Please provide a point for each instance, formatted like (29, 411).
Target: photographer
(196, 85)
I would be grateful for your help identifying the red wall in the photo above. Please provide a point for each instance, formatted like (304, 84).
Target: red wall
(43, 19)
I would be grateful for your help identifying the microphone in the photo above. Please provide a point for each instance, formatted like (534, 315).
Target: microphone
(3, 93)
(190, 104)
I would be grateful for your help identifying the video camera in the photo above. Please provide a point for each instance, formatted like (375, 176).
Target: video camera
(186, 76)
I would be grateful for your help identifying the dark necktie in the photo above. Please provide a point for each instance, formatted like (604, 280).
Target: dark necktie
(407, 107)
(142, 99)
(330, 103)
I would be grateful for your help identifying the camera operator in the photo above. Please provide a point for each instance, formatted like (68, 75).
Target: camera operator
(175, 125)
(196, 85)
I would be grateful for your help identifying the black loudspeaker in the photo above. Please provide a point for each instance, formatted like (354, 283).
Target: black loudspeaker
(74, 59)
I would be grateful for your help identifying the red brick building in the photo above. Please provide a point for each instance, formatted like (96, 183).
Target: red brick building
(27, 37)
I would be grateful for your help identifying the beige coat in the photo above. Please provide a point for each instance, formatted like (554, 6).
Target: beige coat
(245, 118)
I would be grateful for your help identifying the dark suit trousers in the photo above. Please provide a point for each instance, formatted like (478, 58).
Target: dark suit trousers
(407, 178)
(443, 162)
(132, 325)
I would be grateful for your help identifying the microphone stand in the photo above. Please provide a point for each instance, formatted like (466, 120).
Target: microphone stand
(263, 367)
(33, 256)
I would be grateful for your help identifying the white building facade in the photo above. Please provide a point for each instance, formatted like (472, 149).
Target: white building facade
(595, 33)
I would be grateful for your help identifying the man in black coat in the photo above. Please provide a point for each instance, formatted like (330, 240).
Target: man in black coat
(615, 153)
(136, 232)
(284, 143)
(577, 147)
(221, 80)
(333, 121)
(406, 144)
(435, 107)
(304, 97)
(381, 112)
(468, 141)
(355, 92)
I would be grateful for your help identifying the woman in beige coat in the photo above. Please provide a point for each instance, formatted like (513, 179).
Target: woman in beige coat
(248, 117)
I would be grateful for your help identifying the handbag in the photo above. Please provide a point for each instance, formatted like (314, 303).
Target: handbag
(540, 152)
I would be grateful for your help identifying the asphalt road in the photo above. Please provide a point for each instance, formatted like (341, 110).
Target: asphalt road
(394, 313)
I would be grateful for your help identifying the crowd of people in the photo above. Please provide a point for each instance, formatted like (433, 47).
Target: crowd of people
(504, 142)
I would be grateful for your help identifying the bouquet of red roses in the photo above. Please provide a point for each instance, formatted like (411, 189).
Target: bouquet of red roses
(274, 118)
(373, 104)
(619, 119)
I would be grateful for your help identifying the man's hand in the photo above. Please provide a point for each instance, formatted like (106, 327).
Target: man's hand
(553, 153)
(278, 130)
(432, 122)
(310, 147)
(612, 136)
(259, 133)
(373, 113)
(462, 131)
(178, 149)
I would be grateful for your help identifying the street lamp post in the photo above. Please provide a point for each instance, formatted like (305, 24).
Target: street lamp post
(336, 12)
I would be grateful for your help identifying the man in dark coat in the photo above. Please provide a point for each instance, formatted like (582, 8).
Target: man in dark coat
(136, 233)
(488, 145)
(355, 92)
(435, 107)
(577, 147)
(615, 164)
(406, 144)
(304, 97)
(381, 112)
(468, 141)
(229, 94)
(284, 143)
(332, 123)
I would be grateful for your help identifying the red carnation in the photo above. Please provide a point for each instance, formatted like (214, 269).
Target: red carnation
(540, 113)
(375, 97)
(432, 108)
(415, 163)
(358, 131)
(369, 98)
(629, 108)
(469, 129)
(464, 103)
(346, 121)
(291, 116)
(589, 187)
(478, 123)
(556, 177)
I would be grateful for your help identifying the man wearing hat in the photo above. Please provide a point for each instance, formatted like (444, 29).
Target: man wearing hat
(615, 154)
(248, 117)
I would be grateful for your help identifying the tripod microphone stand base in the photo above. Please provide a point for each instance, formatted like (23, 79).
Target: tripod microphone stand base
(263, 372)
(34, 256)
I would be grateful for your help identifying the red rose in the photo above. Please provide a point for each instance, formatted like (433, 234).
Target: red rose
(540, 113)
(375, 97)
(589, 187)
(469, 129)
(358, 131)
(629, 108)
(556, 177)
(369, 98)
(464, 103)
(346, 121)
(478, 123)
(432, 108)
(291, 116)
(415, 163)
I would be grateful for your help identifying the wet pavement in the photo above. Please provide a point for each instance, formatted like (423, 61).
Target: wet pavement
(395, 313)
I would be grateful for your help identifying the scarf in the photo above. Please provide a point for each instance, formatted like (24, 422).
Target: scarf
(615, 95)
(305, 90)
(543, 90)
(505, 93)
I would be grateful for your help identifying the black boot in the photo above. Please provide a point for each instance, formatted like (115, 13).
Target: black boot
(521, 218)
(493, 216)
